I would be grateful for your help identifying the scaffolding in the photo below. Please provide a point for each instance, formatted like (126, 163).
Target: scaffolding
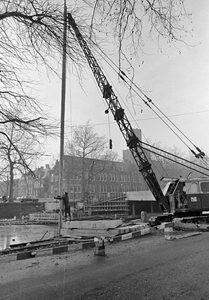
(118, 206)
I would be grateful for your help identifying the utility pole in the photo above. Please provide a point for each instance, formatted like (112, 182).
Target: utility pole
(62, 120)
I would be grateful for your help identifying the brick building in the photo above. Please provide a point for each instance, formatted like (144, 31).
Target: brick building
(36, 185)
(92, 180)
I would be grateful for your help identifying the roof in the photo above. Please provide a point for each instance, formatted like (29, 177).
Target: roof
(140, 196)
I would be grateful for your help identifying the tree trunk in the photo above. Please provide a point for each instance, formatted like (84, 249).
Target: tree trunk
(11, 182)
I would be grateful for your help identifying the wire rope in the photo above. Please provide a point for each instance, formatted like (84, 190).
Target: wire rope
(200, 153)
(147, 101)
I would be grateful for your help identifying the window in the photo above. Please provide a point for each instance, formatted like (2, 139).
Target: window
(105, 177)
(79, 188)
(110, 177)
(112, 189)
(204, 187)
(52, 177)
(71, 188)
(192, 187)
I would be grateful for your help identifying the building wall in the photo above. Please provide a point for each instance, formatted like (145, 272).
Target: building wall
(37, 185)
(94, 180)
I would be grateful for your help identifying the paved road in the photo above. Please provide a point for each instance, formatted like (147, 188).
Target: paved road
(148, 268)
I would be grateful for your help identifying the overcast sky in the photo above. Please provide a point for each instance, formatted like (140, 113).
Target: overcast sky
(176, 80)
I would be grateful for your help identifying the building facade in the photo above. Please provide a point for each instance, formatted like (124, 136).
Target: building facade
(92, 180)
(36, 184)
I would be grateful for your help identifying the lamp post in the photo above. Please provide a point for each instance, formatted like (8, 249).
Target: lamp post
(62, 120)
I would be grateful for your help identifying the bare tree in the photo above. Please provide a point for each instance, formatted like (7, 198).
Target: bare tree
(93, 153)
(88, 144)
(31, 35)
(18, 153)
(133, 22)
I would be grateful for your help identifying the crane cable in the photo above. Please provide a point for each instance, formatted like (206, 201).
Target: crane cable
(174, 155)
(149, 101)
(189, 167)
(200, 153)
(140, 95)
(159, 117)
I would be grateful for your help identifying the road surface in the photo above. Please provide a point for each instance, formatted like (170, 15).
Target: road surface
(148, 268)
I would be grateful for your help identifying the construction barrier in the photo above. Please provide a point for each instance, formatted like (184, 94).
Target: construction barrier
(168, 231)
(99, 246)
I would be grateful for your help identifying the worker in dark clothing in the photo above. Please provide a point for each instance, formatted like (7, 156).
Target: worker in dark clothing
(66, 205)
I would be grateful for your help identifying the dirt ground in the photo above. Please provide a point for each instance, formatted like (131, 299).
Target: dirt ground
(148, 268)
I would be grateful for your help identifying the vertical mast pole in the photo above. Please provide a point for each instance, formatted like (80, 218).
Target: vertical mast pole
(62, 120)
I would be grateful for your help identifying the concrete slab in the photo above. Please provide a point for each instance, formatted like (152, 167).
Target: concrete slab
(99, 224)
(89, 232)
(98, 232)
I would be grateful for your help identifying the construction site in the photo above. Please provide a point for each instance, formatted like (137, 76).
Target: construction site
(106, 222)
(182, 204)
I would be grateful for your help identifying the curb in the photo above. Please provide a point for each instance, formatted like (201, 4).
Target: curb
(46, 252)
(75, 247)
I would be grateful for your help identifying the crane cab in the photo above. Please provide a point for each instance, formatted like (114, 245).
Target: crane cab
(187, 196)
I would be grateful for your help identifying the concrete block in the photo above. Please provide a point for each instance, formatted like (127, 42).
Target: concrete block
(8, 258)
(60, 249)
(88, 245)
(126, 236)
(145, 231)
(75, 247)
(100, 224)
(44, 252)
(136, 234)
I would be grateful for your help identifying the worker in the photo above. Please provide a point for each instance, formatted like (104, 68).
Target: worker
(66, 203)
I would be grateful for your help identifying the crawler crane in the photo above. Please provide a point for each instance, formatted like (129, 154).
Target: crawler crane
(187, 196)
